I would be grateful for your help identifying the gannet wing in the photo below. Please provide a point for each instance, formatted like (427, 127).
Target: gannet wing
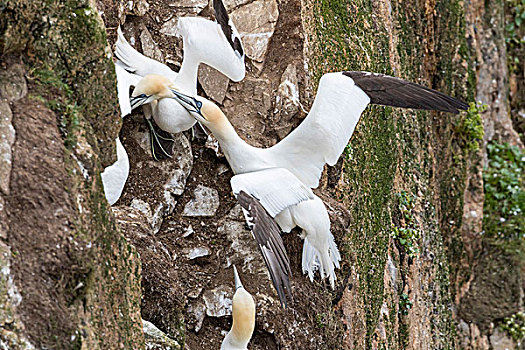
(114, 176)
(268, 237)
(228, 28)
(204, 41)
(135, 62)
(124, 81)
(275, 188)
(340, 100)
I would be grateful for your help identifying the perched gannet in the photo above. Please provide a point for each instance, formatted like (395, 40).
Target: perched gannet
(216, 44)
(280, 177)
(243, 315)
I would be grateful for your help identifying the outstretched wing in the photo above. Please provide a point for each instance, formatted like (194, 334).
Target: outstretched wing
(340, 100)
(228, 28)
(268, 237)
(124, 81)
(135, 62)
(275, 188)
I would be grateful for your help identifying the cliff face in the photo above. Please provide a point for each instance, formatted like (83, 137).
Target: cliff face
(69, 278)
(423, 266)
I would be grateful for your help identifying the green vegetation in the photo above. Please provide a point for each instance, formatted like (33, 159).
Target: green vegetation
(406, 233)
(404, 304)
(470, 128)
(319, 320)
(515, 326)
(514, 29)
(504, 181)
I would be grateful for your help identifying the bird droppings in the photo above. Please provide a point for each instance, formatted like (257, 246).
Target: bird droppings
(204, 203)
(218, 301)
(198, 252)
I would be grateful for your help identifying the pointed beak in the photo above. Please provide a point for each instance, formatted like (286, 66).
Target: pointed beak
(238, 283)
(140, 100)
(192, 105)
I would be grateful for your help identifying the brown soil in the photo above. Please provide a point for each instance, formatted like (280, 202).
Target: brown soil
(39, 212)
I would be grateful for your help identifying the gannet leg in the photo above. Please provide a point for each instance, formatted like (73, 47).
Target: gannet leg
(195, 131)
(161, 142)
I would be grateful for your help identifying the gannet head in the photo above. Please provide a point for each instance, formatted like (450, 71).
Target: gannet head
(203, 110)
(150, 88)
(243, 314)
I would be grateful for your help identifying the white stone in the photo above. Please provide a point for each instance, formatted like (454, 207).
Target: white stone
(149, 47)
(218, 301)
(205, 202)
(156, 339)
(7, 138)
(197, 252)
(198, 312)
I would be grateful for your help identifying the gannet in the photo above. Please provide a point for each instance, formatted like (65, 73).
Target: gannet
(243, 315)
(216, 44)
(280, 178)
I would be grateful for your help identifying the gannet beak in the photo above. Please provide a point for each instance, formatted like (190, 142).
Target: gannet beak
(141, 99)
(192, 105)
(238, 283)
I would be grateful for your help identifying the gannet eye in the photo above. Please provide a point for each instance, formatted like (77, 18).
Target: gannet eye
(199, 104)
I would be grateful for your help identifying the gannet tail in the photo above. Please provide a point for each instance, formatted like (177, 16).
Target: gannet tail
(135, 62)
(325, 261)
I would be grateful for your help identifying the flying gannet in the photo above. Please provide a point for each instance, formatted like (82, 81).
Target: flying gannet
(216, 44)
(280, 178)
(243, 315)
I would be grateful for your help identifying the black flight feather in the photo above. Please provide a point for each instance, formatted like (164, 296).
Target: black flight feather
(390, 91)
(268, 237)
(224, 21)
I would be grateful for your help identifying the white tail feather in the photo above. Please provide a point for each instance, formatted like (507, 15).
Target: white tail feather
(325, 261)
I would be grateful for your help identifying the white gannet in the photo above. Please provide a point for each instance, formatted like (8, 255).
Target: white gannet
(243, 315)
(216, 44)
(280, 178)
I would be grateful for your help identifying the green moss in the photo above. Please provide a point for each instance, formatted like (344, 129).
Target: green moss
(470, 127)
(391, 144)
(504, 185)
(406, 232)
(514, 325)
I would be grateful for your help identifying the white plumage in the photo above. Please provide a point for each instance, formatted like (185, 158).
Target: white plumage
(203, 42)
(320, 139)
(283, 190)
(114, 176)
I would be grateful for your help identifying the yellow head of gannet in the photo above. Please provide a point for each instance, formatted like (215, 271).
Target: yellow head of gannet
(243, 314)
(150, 88)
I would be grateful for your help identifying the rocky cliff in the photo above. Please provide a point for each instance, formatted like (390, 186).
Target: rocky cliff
(428, 262)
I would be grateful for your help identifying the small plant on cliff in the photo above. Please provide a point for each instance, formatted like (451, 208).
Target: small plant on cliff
(470, 128)
(406, 233)
(514, 326)
(404, 304)
(504, 184)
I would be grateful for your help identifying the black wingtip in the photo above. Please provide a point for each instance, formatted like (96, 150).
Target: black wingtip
(395, 92)
(161, 142)
(268, 237)
(221, 15)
